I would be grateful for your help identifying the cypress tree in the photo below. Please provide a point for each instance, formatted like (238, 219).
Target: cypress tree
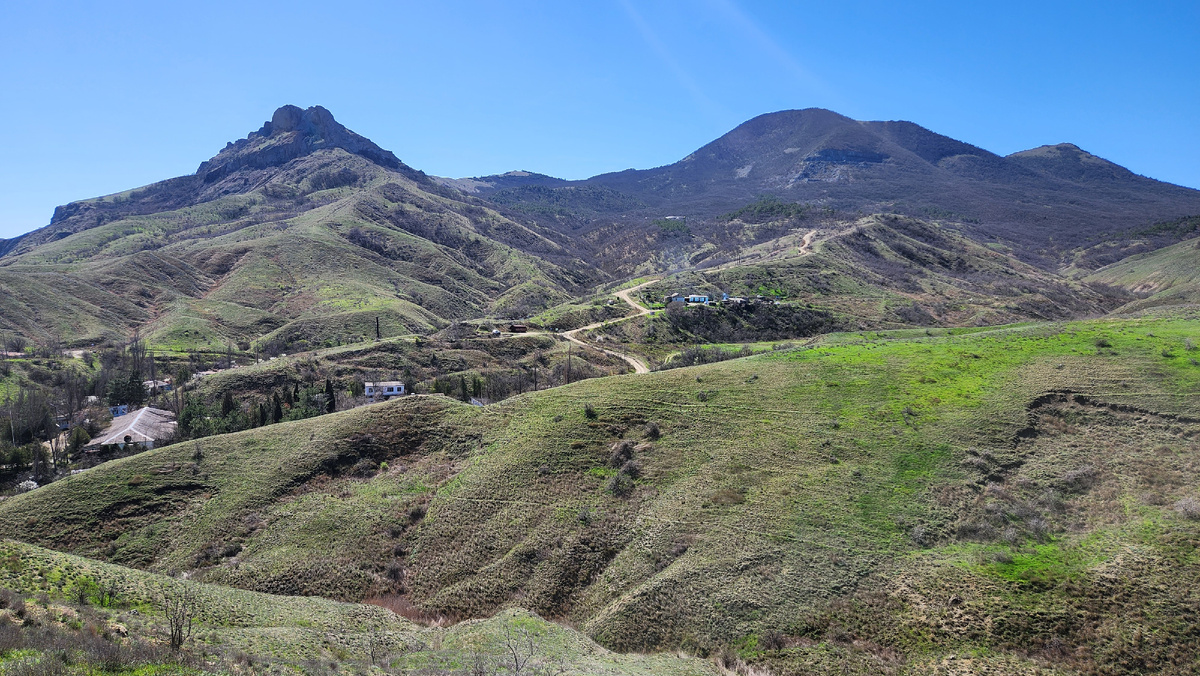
(277, 414)
(227, 404)
(330, 397)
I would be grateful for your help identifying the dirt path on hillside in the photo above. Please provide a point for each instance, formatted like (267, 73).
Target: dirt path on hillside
(626, 295)
(804, 250)
(806, 247)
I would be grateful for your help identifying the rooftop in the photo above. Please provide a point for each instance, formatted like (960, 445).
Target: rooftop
(141, 426)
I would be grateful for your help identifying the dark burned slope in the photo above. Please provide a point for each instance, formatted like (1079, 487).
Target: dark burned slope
(1043, 202)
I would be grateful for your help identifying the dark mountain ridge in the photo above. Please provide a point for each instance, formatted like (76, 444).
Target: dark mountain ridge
(1044, 201)
(270, 220)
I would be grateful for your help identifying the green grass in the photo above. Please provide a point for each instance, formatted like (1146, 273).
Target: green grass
(293, 632)
(844, 479)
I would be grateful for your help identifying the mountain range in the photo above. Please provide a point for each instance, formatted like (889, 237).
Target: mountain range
(307, 229)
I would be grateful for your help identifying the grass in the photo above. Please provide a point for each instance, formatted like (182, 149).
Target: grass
(856, 478)
(237, 629)
(239, 267)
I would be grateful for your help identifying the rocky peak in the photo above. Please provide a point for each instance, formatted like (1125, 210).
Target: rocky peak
(293, 132)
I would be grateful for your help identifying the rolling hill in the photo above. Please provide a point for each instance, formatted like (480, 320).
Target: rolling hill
(304, 232)
(1020, 497)
(302, 221)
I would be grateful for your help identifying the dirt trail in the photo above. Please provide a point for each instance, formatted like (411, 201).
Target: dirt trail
(804, 248)
(626, 295)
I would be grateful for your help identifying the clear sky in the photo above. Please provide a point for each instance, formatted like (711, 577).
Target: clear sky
(101, 97)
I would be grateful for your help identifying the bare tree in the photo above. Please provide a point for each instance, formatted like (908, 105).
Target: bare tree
(179, 603)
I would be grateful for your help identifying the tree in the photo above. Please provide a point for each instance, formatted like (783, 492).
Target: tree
(127, 389)
(78, 439)
(228, 405)
(330, 397)
(277, 413)
(179, 603)
(464, 393)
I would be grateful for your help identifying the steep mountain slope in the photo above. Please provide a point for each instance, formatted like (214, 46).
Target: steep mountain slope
(1019, 495)
(302, 220)
(1043, 202)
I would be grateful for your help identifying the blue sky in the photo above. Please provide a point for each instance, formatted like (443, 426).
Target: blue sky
(100, 97)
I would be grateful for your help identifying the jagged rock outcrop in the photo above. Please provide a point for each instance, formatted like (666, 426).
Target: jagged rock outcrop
(293, 132)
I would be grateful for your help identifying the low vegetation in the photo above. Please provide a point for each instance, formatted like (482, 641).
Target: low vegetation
(863, 502)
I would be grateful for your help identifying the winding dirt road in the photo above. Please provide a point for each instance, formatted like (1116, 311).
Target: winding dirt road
(626, 295)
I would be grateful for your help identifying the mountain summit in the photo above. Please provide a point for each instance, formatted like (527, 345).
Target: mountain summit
(292, 132)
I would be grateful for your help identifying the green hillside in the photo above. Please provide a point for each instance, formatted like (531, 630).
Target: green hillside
(309, 250)
(1167, 276)
(240, 631)
(1021, 497)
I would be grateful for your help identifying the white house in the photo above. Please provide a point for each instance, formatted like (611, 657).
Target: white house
(385, 389)
(697, 299)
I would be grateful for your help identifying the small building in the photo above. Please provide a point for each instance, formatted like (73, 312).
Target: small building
(697, 299)
(517, 328)
(144, 428)
(673, 298)
(118, 411)
(384, 389)
(156, 386)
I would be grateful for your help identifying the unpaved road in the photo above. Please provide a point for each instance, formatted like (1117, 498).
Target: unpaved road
(804, 248)
(626, 295)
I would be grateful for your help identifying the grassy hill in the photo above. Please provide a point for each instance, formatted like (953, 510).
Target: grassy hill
(1168, 276)
(307, 245)
(238, 631)
(1021, 497)
(303, 233)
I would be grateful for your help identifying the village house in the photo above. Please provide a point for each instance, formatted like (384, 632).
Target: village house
(144, 428)
(697, 299)
(517, 328)
(385, 389)
(156, 386)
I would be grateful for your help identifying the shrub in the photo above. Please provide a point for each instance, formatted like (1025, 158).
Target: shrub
(416, 513)
(652, 431)
(589, 412)
(619, 485)
(772, 640)
(622, 452)
(1102, 342)
(1080, 479)
(1188, 508)
(632, 469)
(919, 535)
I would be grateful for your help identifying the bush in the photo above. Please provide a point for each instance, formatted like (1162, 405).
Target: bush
(619, 484)
(1188, 508)
(622, 452)
(589, 412)
(652, 431)
(416, 513)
